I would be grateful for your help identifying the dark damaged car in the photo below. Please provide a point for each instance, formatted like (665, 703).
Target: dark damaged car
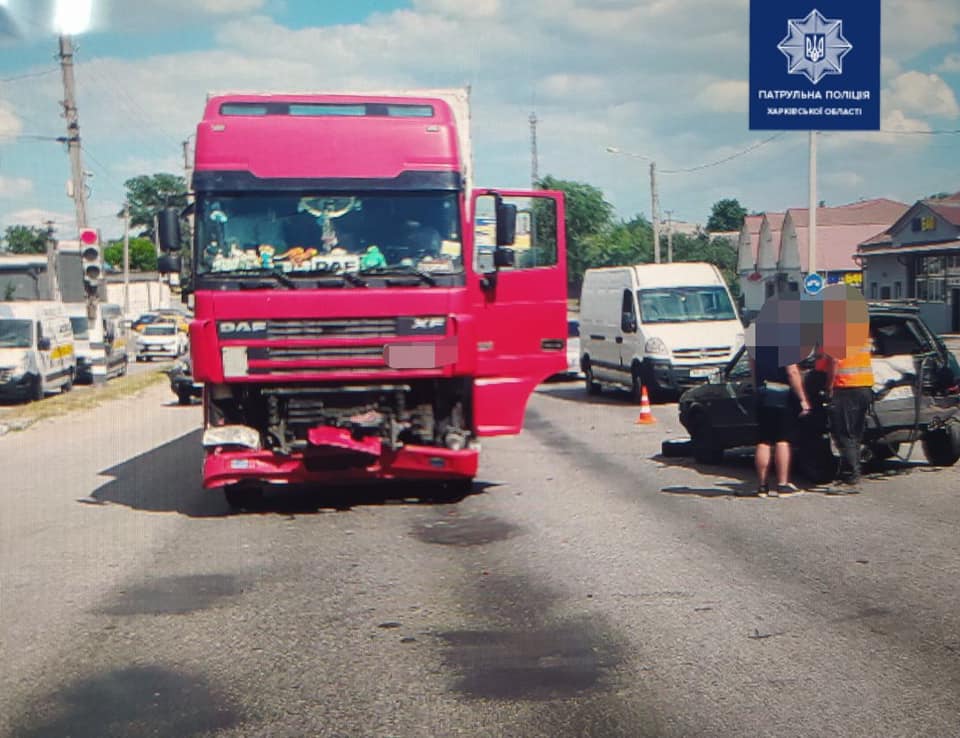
(916, 398)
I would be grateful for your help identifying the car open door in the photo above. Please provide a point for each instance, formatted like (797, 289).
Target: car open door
(519, 295)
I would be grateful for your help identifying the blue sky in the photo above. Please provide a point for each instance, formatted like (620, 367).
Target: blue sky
(665, 79)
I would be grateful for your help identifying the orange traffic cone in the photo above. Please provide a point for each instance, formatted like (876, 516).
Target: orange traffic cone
(645, 417)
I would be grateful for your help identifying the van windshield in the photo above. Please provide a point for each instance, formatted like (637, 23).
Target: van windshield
(685, 304)
(16, 333)
(80, 326)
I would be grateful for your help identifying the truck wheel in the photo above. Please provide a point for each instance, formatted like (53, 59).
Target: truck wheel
(706, 450)
(942, 447)
(592, 385)
(243, 496)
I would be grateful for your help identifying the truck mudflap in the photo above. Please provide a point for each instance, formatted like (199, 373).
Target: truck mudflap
(337, 465)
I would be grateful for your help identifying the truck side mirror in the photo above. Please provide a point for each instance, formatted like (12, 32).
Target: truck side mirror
(43, 344)
(168, 229)
(168, 264)
(504, 257)
(506, 223)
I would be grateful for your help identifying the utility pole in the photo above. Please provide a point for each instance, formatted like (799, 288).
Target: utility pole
(126, 259)
(52, 277)
(669, 236)
(534, 164)
(654, 203)
(72, 139)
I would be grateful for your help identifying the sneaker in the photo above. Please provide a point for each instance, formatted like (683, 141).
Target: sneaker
(774, 492)
(787, 489)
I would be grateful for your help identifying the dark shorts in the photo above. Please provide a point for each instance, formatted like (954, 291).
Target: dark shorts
(777, 424)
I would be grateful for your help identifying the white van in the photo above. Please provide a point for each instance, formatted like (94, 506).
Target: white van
(36, 349)
(663, 326)
(101, 343)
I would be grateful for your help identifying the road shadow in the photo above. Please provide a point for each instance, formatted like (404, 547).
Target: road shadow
(168, 479)
(576, 392)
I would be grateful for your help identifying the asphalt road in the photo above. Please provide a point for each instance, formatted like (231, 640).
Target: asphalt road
(588, 587)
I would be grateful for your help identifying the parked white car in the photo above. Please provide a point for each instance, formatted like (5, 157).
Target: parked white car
(161, 339)
(573, 348)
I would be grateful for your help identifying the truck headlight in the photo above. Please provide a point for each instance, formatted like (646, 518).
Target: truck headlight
(655, 346)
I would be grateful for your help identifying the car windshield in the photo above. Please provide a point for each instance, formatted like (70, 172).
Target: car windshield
(15, 333)
(685, 304)
(329, 234)
(166, 329)
(80, 326)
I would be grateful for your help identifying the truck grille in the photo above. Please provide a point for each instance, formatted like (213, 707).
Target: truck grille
(307, 353)
(326, 328)
(710, 353)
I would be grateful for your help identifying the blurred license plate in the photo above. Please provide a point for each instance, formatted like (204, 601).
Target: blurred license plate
(701, 372)
(904, 392)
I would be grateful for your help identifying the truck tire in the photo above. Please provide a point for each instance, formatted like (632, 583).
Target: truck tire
(243, 496)
(942, 447)
(706, 450)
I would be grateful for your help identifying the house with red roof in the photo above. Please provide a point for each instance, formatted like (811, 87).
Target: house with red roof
(918, 258)
(782, 247)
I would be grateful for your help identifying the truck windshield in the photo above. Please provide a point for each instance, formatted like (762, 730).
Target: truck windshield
(685, 304)
(329, 234)
(80, 326)
(16, 333)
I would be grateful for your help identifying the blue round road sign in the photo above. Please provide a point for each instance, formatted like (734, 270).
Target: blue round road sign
(813, 284)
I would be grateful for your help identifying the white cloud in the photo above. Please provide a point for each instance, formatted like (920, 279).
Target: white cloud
(724, 96)
(573, 86)
(10, 124)
(950, 63)
(842, 179)
(926, 94)
(38, 217)
(460, 8)
(911, 27)
(12, 187)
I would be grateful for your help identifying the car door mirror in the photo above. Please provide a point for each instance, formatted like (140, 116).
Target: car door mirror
(628, 323)
(43, 344)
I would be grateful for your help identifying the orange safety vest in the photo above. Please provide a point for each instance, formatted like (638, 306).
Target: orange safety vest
(853, 371)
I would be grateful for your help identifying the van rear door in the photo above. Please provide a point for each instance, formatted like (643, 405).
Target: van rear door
(520, 310)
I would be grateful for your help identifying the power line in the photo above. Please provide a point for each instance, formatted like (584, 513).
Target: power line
(747, 150)
(28, 75)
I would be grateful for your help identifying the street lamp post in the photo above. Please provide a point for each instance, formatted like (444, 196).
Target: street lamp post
(654, 214)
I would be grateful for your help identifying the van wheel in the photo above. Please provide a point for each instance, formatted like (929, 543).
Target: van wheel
(706, 450)
(36, 389)
(592, 385)
(68, 385)
(942, 447)
(636, 386)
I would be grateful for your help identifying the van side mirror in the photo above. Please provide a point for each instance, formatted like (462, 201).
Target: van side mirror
(168, 229)
(506, 223)
(628, 323)
(44, 344)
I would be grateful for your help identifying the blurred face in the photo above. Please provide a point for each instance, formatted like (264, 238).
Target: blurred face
(846, 324)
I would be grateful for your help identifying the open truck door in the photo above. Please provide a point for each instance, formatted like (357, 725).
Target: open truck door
(519, 257)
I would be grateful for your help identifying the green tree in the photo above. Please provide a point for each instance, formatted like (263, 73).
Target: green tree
(143, 254)
(20, 239)
(148, 194)
(726, 215)
(718, 251)
(587, 216)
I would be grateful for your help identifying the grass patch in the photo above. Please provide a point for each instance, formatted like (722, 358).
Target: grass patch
(89, 397)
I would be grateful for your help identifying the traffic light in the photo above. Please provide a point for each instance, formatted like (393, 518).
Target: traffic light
(91, 259)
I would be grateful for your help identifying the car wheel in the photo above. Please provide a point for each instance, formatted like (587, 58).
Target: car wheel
(592, 385)
(942, 447)
(243, 496)
(706, 449)
(183, 396)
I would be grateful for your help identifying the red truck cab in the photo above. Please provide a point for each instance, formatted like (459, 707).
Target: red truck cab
(361, 311)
